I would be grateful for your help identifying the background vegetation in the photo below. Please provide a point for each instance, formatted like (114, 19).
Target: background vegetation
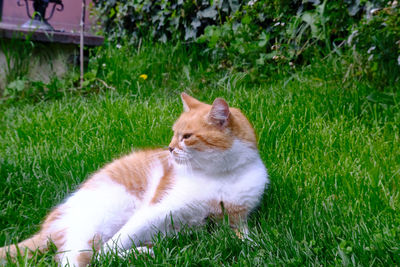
(321, 89)
(263, 36)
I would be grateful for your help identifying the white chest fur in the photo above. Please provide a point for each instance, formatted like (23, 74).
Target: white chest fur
(243, 185)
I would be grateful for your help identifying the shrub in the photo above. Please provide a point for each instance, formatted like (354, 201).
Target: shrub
(377, 41)
(258, 36)
(163, 20)
(268, 34)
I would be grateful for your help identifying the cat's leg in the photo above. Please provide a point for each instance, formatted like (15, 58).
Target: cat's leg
(78, 251)
(240, 226)
(241, 230)
(237, 215)
(147, 222)
(135, 251)
(75, 258)
(90, 216)
(73, 234)
(139, 229)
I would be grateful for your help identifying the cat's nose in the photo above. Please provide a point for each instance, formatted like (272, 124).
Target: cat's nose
(170, 149)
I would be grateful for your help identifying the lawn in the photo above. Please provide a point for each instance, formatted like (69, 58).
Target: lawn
(331, 146)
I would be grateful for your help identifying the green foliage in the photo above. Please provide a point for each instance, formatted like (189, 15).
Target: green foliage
(34, 91)
(161, 19)
(267, 35)
(17, 52)
(260, 36)
(376, 40)
(169, 68)
(19, 84)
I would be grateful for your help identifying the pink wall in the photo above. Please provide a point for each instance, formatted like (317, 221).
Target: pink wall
(67, 20)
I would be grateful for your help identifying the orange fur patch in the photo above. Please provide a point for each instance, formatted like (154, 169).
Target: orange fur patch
(96, 242)
(58, 238)
(40, 240)
(236, 213)
(164, 185)
(27, 246)
(84, 258)
(132, 171)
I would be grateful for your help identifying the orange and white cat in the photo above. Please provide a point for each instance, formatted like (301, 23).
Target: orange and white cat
(212, 166)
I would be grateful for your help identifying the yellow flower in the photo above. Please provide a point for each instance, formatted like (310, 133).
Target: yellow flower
(143, 76)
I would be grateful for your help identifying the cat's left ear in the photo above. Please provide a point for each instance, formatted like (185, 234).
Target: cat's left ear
(219, 114)
(189, 102)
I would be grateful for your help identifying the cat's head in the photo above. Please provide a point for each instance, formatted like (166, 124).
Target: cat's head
(208, 134)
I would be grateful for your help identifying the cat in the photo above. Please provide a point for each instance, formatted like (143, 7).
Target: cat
(211, 168)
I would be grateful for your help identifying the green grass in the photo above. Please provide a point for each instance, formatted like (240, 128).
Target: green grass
(332, 149)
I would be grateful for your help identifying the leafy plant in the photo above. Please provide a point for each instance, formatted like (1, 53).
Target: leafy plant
(376, 40)
(27, 90)
(162, 19)
(259, 36)
(17, 52)
(267, 35)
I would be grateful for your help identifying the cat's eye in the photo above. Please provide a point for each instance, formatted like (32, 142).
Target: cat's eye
(186, 136)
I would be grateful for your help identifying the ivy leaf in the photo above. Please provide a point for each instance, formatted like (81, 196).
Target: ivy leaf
(271, 55)
(246, 19)
(234, 4)
(311, 20)
(196, 23)
(264, 39)
(209, 12)
(190, 33)
(261, 60)
(112, 13)
(14, 88)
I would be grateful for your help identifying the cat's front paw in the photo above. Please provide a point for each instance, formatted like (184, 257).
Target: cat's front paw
(135, 251)
(109, 247)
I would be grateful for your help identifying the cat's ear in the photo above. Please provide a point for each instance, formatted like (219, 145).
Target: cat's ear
(189, 102)
(219, 114)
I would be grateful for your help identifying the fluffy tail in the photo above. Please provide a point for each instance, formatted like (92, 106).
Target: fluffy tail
(36, 242)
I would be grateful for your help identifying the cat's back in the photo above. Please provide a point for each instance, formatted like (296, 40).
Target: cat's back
(137, 172)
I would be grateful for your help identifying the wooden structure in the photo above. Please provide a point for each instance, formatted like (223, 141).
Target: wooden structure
(62, 42)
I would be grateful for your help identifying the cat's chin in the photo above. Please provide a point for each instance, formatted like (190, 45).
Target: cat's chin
(180, 161)
(185, 163)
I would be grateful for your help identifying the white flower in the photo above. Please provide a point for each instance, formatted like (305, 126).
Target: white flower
(372, 48)
(352, 35)
(251, 2)
(104, 65)
(374, 11)
(118, 46)
(277, 24)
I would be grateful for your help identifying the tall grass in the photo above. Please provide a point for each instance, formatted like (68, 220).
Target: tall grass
(332, 149)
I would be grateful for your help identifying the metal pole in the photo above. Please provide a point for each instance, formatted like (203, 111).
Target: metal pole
(81, 39)
(1, 9)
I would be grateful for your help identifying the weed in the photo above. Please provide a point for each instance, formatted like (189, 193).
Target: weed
(17, 52)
